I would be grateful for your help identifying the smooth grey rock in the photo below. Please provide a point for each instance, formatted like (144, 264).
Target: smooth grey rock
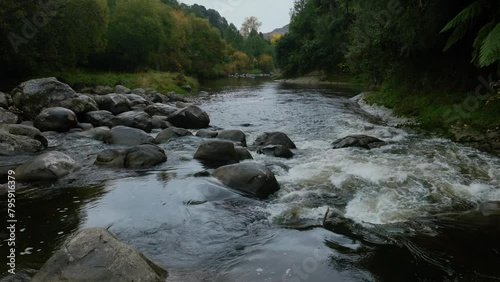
(127, 136)
(139, 91)
(114, 103)
(361, 141)
(8, 117)
(5, 100)
(100, 118)
(136, 99)
(140, 120)
(80, 104)
(56, 119)
(160, 122)
(191, 117)
(159, 109)
(171, 133)
(217, 151)
(207, 133)
(274, 138)
(276, 151)
(97, 133)
(85, 126)
(120, 89)
(96, 255)
(243, 153)
(24, 130)
(11, 144)
(49, 166)
(103, 90)
(237, 136)
(251, 178)
(142, 156)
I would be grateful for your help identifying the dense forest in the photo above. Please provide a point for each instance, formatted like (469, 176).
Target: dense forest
(125, 36)
(418, 53)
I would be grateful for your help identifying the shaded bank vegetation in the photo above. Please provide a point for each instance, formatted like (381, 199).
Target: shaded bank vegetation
(124, 36)
(423, 56)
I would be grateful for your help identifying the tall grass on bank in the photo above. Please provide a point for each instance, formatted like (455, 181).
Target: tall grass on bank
(163, 82)
(440, 110)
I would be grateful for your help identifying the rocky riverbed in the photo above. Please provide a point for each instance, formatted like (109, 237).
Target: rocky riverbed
(248, 183)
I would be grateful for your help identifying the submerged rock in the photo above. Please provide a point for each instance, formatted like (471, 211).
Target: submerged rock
(191, 117)
(127, 136)
(274, 138)
(276, 151)
(96, 255)
(251, 178)
(207, 133)
(361, 141)
(171, 133)
(142, 156)
(56, 119)
(49, 166)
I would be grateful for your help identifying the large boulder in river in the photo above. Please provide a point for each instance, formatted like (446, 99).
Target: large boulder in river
(142, 156)
(237, 136)
(276, 151)
(274, 138)
(100, 118)
(11, 144)
(96, 255)
(127, 136)
(49, 166)
(140, 120)
(114, 103)
(97, 133)
(8, 117)
(171, 133)
(33, 96)
(251, 178)
(361, 141)
(25, 130)
(191, 117)
(56, 119)
(217, 151)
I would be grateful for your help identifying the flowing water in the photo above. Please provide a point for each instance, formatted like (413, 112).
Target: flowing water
(396, 213)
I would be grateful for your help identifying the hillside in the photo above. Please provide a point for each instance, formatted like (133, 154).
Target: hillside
(284, 30)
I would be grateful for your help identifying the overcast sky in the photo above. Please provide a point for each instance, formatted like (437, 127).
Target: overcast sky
(272, 13)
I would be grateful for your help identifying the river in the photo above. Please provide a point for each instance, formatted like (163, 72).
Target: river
(402, 212)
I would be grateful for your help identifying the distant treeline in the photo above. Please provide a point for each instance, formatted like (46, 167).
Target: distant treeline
(125, 36)
(422, 45)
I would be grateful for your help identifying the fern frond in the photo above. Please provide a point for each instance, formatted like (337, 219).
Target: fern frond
(478, 42)
(490, 49)
(466, 16)
(457, 34)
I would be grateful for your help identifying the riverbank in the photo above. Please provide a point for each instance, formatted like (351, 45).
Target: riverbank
(162, 82)
(468, 118)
